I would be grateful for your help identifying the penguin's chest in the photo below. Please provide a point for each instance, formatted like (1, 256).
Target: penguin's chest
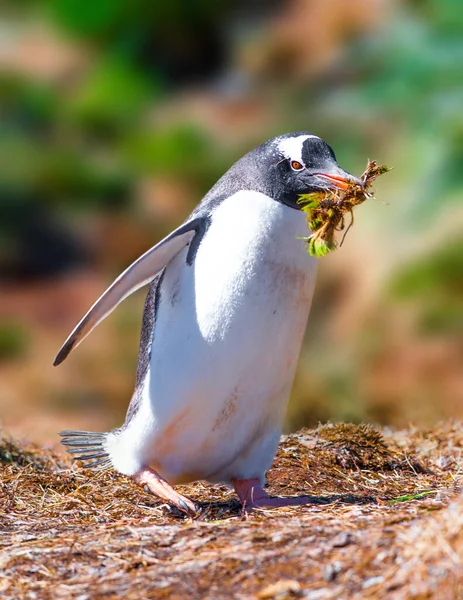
(228, 335)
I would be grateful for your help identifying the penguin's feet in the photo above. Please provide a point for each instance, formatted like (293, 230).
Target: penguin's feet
(253, 495)
(158, 486)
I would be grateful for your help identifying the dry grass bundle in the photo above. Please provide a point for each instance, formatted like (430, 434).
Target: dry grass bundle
(381, 524)
(326, 210)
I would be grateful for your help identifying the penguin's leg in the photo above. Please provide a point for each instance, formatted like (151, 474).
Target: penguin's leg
(252, 495)
(159, 486)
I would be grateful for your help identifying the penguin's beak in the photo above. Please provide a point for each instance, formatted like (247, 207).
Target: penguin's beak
(341, 179)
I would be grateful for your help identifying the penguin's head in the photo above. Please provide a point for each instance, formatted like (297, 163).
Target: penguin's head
(299, 163)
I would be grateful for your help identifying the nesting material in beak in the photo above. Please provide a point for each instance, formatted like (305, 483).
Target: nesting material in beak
(326, 209)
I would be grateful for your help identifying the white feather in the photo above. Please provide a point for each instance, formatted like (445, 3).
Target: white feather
(225, 348)
(291, 147)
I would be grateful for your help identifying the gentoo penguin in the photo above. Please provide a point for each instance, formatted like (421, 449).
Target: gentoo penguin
(229, 296)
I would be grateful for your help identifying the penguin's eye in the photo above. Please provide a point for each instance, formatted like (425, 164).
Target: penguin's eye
(296, 166)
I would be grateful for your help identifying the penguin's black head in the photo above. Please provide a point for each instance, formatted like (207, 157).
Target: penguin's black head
(300, 163)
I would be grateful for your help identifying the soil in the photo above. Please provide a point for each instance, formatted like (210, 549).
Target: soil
(385, 522)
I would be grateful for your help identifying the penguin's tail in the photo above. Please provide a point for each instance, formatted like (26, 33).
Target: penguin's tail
(87, 446)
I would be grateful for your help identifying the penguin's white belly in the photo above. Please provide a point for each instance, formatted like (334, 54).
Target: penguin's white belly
(225, 347)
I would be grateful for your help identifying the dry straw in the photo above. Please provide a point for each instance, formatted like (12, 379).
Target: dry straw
(381, 524)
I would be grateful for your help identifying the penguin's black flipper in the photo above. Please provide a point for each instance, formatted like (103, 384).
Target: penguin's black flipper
(87, 445)
(141, 272)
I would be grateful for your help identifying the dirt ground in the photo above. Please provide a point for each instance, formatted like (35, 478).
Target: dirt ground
(385, 522)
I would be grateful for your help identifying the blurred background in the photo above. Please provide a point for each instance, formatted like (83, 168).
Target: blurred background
(118, 115)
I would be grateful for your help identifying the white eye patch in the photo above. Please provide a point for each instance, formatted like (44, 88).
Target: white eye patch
(291, 147)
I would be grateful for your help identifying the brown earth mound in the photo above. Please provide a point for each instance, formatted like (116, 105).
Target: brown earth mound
(385, 522)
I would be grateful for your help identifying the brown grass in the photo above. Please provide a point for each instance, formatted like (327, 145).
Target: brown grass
(386, 521)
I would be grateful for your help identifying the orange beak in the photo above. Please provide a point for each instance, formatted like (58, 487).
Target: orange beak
(339, 182)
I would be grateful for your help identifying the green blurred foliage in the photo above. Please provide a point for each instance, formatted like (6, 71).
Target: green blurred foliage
(106, 20)
(407, 89)
(14, 340)
(435, 281)
(58, 132)
(110, 98)
(406, 78)
(182, 149)
(97, 18)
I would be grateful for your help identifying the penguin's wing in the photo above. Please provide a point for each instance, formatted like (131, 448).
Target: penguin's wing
(141, 272)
